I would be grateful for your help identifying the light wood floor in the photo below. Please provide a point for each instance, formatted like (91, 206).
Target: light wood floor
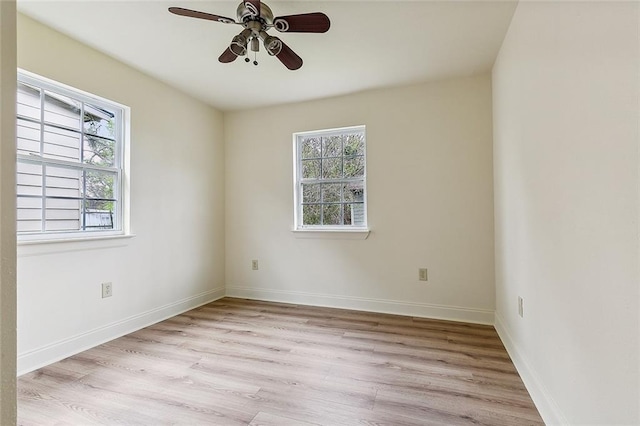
(240, 362)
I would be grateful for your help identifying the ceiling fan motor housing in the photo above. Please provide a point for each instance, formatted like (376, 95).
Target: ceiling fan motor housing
(245, 14)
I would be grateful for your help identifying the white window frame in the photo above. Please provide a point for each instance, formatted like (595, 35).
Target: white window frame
(298, 181)
(120, 168)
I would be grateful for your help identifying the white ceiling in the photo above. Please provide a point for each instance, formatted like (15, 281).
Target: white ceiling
(371, 44)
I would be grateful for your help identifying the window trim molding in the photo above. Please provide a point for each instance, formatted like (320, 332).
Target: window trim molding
(123, 170)
(313, 231)
(332, 233)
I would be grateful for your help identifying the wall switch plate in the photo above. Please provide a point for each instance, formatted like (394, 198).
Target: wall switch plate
(422, 274)
(107, 290)
(254, 265)
(520, 307)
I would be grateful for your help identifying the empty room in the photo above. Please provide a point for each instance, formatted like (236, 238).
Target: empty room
(319, 212)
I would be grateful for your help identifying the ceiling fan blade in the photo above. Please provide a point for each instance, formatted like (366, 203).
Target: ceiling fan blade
(227, 56)
(289, 58)
(201, 15)
(253, 6)
(304, 23)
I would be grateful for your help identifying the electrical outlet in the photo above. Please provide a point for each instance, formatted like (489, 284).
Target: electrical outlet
(422, 274)
(107, 290)
(254, 265)
(520, 307)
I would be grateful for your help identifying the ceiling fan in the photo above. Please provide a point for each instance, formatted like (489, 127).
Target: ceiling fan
(256, 18)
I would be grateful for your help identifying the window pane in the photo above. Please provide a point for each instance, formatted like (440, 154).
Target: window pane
(354, 166)
(354, 214)
(29, 225)
(62, 215)
(331, 193)
(346, 215)
(61, 144)
(28, 137)
(354, 191)
(99, 214)
(310, 193)
(311, 214)
(99, 151)
(332, 146)
(99, 122)
(310, 169)
(311, 148)
(29, 179)
(62, 209)
(28, 104)
(62, 110)
(99, 184)
(354, 145)
(332, 168)
(63, 182)
(29, 214)
(331, 214)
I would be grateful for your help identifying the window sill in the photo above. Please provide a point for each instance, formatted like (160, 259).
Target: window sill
(58, 245)
(332, 234)
(28, 242)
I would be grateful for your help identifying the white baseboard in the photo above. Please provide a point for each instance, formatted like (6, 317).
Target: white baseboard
(45, 355)
(451, 313)
(549, 410)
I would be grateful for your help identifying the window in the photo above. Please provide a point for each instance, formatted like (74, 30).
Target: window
(70, 161)
(330, 179)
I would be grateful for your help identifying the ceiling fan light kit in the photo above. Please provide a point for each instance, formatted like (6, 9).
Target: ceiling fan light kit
(257, 18)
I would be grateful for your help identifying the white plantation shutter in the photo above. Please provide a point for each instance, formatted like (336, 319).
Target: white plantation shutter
(69, 171)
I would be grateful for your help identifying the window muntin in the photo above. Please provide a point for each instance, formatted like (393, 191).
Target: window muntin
(69, 161)
(330, 187)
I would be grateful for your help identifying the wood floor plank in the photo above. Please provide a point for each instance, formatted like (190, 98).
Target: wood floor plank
(242, 362)
(267, 419)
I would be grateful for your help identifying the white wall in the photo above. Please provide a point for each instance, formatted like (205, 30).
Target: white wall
(7, 213)
(176, 259)
(430, 196)
(566, 111)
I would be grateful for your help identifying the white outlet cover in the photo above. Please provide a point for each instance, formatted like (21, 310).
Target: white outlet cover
(107, 290)
(423, 274)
